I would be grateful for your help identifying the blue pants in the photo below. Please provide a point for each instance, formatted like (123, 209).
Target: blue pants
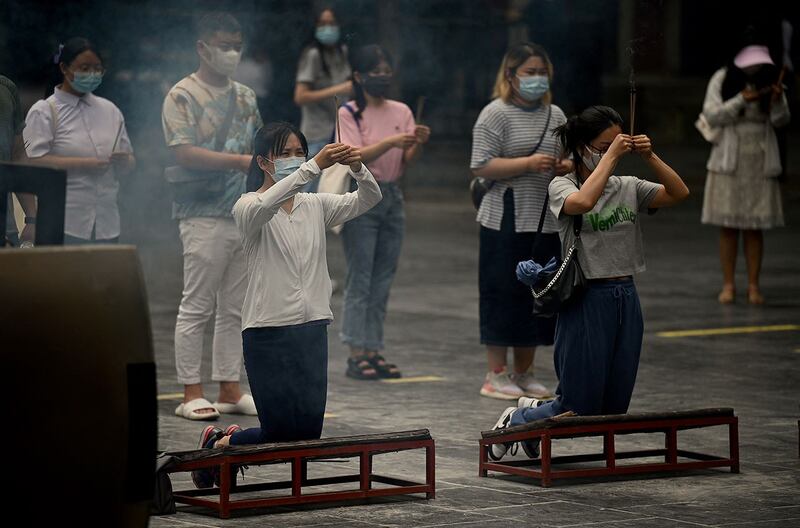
(598, 342)
(288, 371)
(372, 244)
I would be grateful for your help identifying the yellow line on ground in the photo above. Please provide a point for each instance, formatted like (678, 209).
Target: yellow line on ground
(729, 330)
(416, 379)
(331, 415)
(170, 396)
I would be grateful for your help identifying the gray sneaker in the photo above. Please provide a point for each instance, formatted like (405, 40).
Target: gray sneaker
(497, 451)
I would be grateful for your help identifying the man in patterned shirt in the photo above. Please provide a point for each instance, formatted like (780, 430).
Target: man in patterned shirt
(209, 123)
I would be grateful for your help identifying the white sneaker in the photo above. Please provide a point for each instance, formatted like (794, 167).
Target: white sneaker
(530, 386)
(497, 451)
(500, 386)
(531, 402)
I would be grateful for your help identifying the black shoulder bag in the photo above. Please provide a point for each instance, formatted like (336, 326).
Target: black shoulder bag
(190, 185)
(555, 290)
(478, 187)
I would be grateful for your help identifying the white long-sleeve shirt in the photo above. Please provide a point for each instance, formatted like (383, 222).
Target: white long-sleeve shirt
(287, 268)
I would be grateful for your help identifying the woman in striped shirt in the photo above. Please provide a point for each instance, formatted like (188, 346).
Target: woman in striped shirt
(504, 151)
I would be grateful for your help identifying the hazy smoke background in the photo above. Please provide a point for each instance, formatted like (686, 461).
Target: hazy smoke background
(447, 50)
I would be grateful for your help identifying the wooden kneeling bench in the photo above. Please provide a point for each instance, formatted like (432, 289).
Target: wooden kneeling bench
(609, 427)
(299, 454)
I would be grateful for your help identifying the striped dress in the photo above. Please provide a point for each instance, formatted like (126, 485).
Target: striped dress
(504, 130)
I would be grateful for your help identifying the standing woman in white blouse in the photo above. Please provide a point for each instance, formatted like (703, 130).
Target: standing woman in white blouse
(85, 135)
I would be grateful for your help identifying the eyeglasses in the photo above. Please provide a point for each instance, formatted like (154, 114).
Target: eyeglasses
(596, 150)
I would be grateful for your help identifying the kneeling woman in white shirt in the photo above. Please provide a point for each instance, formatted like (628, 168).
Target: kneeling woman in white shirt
(287, 305)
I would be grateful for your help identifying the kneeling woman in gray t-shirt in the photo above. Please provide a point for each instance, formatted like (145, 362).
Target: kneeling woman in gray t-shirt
(599, 335)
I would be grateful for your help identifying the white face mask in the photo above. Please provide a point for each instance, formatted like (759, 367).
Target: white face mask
(223, 62)
(593, 160)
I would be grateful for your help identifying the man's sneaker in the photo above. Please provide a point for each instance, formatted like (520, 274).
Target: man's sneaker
(499, 385)
(205, 477)
(531, 448)
(531, 402)
(497, 451)
(530, 386)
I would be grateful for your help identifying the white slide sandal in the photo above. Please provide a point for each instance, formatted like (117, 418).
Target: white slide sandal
(245, 405)
(190, 410)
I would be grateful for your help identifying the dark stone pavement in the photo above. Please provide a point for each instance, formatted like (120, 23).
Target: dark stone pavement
(432, 330)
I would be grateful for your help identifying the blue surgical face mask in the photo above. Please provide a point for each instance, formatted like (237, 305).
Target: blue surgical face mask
(327, 35)
(593, 159)
(533, 87)
(86, 82)
(286, 166)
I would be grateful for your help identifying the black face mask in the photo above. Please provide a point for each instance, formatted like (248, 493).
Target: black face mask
(377, 85)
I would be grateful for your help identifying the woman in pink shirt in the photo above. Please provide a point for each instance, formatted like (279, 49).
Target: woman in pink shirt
(385, 132)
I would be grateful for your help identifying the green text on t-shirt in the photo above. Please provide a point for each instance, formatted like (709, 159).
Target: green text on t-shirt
(609, 217)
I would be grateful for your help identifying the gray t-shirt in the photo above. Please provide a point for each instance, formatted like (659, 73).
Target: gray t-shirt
(504, 130)
(318, 119)
(12, 121)
(611, 238)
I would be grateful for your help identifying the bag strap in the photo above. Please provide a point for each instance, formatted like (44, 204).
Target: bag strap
(53, 117)
(352, 113)
(544, 131)
(538, 144)
(222, 133)
(577, 220)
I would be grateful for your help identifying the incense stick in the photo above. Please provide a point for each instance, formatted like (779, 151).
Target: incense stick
(633, 108)
(780, 77)
(338, 137)
(420, 107)
(116, 139)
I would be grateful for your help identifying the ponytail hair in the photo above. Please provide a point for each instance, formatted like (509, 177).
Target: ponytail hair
(364, 60)
(270, 140)
(65, 54)
(581, 129)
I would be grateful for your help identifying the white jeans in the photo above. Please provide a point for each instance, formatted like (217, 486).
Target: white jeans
(214, 273)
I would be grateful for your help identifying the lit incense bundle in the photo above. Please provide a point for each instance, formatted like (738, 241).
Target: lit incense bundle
(116, 139)
(420, 107)
(633, 102)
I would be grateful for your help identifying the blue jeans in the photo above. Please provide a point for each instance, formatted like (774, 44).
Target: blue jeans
(598, 342)
(372, 244)
(287, 367)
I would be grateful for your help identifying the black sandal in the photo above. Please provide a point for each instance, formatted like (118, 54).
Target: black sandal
(357, 367)
(384, 369)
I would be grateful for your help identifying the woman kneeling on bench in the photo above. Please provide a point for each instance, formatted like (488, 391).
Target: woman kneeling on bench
(286, 308)
(599, 335)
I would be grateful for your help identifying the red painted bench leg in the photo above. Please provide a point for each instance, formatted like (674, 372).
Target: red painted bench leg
(366, 471)
(672, 446)
(297, 482)
(609, 450)
(482, 457)
(733, 438)
(430, 470)
(546, 454)
(224, 490)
